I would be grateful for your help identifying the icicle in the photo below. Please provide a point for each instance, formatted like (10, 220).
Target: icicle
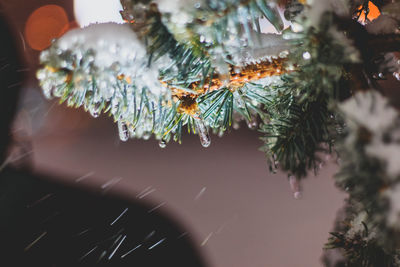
(252, 124)
(295, 187)
(95, 109)
(201, 128)
(162, 143)
(132, 130)
(123, 131)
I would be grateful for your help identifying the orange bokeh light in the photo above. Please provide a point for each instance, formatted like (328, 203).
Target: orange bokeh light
(373, 13)
(45, 24)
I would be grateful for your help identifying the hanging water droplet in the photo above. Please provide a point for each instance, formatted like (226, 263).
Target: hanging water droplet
(162, 143)
(146, 135)
(295, 187)
(381, 75)
(94, 114)
(252, 124)
(202, 130)
(131, 129)
(202, 39)
(307, 55)
(321, 165)
(298, 195)
(95, 109)
(197, 5)
(123, 131)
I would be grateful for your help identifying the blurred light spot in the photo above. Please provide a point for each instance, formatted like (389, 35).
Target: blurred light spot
(372, 14)
(97, 11)
(44, 24)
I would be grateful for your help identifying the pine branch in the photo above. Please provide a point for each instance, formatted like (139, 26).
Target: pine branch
(238, 77)
(295, 132)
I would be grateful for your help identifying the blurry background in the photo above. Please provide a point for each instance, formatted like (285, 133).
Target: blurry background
(237, 212)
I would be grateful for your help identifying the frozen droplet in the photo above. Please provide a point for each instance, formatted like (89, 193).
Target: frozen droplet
(202, 130)
(306, 55)
(321, 165)
(162, 143)
(146, 135)
(95, 110)
(202, 39)
(295, 187)
(123, 131)
(252, 124)
(94, 114)
(298, 195)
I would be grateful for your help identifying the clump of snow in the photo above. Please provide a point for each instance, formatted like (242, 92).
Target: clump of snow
(388, 153)
(107, 67)
(114, 49)
(393, 216)
(112, 42)
(263, 47)
(368, 109)
(358, 229)
(180, 11)
(350, 52)
(318, 7)
(114, 45)
(372, 111)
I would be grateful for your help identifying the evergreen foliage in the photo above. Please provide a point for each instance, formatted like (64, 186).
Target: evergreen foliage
(207, 64)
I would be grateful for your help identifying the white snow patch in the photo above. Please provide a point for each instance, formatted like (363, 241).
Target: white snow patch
(368, 109)
(393, 216)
